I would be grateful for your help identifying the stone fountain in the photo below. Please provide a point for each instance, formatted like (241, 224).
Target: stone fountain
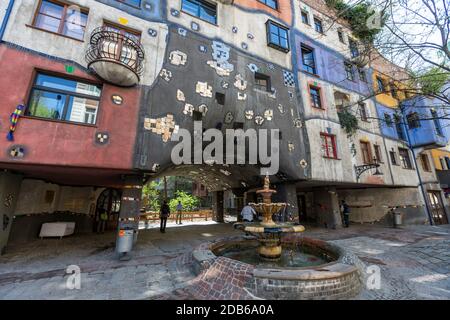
(268, 232)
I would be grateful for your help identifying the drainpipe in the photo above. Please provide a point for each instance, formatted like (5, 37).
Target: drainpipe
(5, 19)
(430, 218)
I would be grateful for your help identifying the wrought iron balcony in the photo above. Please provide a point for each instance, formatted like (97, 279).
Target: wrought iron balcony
(115, 57)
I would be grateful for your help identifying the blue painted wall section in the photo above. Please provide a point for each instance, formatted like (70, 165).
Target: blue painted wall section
(426, 133)
(330, 65)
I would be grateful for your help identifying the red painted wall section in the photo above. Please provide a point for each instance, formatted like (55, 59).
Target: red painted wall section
(284, 12)
(58, 143)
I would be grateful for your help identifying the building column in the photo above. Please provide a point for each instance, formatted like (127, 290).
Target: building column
(9, 192)
(218, 206)
(129, 212)
(327, 206)
(287, 192)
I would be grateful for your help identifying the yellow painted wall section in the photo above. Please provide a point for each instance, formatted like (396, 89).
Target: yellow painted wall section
(387, 99)
(438, 154)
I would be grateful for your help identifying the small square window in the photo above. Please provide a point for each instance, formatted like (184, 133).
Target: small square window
(393, 157)
(220, 98)
(425, 162)
(362, 75)
(305, 17)
(363, 111)
(354, 51)
(197, 116)
(262, 82)
(318, 26)
(277, 36)
(201, 9)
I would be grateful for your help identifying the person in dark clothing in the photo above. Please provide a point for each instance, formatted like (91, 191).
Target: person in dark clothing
(163, 215)
(346, 212)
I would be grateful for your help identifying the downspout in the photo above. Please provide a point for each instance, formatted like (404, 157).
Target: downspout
(6, 19)
(415, 165)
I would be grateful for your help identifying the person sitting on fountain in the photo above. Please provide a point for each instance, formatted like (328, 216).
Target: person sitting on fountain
(248, 213)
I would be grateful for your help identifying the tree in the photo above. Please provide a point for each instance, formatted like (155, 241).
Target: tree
(188, 201)
(151, 196)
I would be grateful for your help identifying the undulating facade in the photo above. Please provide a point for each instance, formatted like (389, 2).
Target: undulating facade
(93, 91)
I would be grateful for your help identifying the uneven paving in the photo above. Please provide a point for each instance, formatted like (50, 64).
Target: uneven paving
(414, 263)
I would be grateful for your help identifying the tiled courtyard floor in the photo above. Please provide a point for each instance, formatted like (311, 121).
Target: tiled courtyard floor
(414, 263)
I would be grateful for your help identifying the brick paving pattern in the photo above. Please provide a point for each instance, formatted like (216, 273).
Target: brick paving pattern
(414, 264)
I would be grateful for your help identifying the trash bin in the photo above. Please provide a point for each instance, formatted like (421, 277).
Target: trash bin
(397, 219)
(125, 239)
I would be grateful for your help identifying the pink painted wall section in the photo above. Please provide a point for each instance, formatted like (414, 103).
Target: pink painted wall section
(283, 12)
(59, 143)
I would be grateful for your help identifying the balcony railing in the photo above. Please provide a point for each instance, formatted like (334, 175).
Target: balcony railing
(116, 57)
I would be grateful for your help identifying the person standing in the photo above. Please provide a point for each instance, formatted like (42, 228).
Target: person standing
(179, 212)
(248, 213)
(164, 213)
(346, 212)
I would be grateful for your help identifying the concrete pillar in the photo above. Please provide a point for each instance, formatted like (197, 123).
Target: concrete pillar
(287, 192)
(130, 207)
(327, 207)
(218, 206)
(9, 192)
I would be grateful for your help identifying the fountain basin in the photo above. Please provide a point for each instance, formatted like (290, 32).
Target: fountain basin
(334, 273)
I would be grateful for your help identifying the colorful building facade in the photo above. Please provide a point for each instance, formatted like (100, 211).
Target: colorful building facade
(106, 84)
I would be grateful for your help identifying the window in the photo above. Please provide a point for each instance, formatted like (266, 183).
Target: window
(362, 75)
(399, 127)
(318, 26)
(341, 36)
(349, 71)
(262, 82)
(393, 157)
(119, 50)
(309, 64)
(378, 156)
(425, 162)
(362, 111)
(388, 119)
(64, 99)
(393, 90)
(316, 101)
(353, 48)
(220, 98)
(270, 3)
(61, 18)
(413, 120)
(277, 36)
(404, 158)
(366, 154)
(133, 3)
(328, 145)
(380, 85)
(201, 9)
(447, 162)
(305, 17)
(437, 123)
(442, 162)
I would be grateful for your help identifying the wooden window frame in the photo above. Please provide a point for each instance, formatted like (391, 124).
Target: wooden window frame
(333, 145)
(352, 73)
(305, 13)
(369, 152)
(362, 108)
(305, 47)
(426, 165)
(65, 5)
(393, 158)
(264, 2)
(122, 31)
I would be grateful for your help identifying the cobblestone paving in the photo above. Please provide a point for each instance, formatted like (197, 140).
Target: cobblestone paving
(414, 263)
